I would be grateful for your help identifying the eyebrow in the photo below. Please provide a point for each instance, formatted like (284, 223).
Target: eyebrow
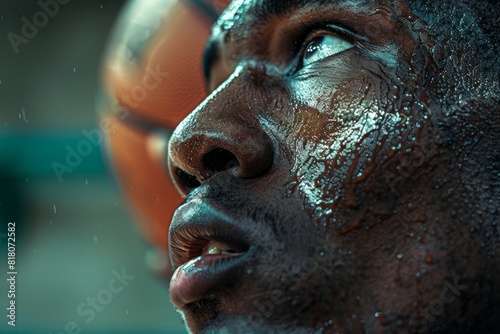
(280, 7)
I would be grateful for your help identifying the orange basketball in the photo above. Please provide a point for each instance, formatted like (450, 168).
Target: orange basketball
(153, 78)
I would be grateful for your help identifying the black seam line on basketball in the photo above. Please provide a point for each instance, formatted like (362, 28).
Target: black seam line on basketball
(141, 123)
(206, 9)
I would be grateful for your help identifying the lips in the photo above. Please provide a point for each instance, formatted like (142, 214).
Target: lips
(208, 249)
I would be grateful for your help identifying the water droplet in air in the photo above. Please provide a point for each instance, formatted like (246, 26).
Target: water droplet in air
(400, 256)
(95, 238)
(55, 210)
(22, 115)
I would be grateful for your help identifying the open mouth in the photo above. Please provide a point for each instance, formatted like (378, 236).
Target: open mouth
(208, 250)
(218, 248)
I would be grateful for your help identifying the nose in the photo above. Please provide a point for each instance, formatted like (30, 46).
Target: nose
(222, 134)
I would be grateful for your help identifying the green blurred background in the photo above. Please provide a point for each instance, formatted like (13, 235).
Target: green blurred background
(70, 235)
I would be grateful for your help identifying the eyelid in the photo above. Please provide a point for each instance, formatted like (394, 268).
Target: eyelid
(342, 32)
(318, 29)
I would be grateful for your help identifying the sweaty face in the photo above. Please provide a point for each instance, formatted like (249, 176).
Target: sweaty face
(335, 178)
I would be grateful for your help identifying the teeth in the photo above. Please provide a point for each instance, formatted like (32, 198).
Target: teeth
(214, 248)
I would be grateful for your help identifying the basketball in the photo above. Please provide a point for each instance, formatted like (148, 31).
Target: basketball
(152, 78)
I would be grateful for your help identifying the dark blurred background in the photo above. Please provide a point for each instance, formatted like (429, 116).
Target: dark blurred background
(71, 233)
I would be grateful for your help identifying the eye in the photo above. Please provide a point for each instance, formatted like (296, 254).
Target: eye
(323, 45)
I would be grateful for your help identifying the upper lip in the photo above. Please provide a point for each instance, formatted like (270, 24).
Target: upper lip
(195, 224)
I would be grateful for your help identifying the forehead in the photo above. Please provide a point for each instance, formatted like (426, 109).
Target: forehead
(261, 9)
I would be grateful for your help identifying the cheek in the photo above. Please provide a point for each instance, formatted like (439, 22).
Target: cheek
(347, 135)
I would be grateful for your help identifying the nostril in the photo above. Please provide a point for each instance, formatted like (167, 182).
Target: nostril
(200, 153)
(219, 160)
(188, 181)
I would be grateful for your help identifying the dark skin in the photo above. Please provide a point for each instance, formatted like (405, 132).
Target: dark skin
(355, 146)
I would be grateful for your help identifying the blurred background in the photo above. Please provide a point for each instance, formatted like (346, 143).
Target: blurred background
(73, 234)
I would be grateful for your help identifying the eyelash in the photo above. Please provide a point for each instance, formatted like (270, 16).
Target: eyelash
(314, 29)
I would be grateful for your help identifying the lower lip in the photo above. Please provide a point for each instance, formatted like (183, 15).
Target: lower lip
(203, 275)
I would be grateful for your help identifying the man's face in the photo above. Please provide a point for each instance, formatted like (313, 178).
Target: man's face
(324, 192)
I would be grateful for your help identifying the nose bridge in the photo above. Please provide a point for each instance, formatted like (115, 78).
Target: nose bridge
(224, 133)
(232, 103)
(229, 102)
